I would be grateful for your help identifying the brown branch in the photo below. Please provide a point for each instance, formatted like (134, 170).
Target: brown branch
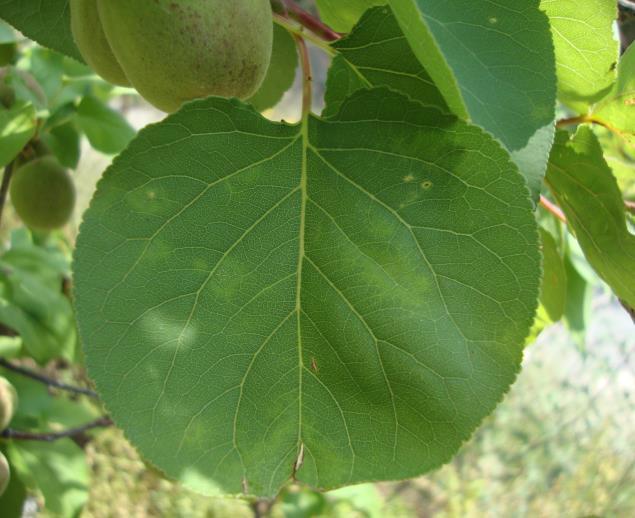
(309, 21)
(630, 206)
(553, 209)
(102, 422)
(4, 188)
(46, 380)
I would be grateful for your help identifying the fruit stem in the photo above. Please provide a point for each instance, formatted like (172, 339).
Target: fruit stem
(45, 380)
(307, 35)
(307, 78)
(311, 22)
(4, 188)
(553, 209)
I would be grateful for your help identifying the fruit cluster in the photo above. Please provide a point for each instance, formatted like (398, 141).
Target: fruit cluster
(173, 52)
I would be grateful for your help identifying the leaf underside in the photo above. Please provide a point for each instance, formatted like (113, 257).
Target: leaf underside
(338, 302)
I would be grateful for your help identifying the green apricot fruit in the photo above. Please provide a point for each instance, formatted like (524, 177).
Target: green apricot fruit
(7, 95)
(92, 43)
(5, 473)
(8, 402)
(8, 53)
(174, 52)
(43, 193)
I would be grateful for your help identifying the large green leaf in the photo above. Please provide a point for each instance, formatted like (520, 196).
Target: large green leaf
(586, 48)
(376, 53)
(494, 63)
(339, 301)
(586, 190)
(48, 23)
(342, 16)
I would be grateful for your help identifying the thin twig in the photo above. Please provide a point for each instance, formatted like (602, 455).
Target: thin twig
(553, 209)
(307, 83)
(309, 21)
(46, 380)
(102, 422)
(4, 188)
(630, 206)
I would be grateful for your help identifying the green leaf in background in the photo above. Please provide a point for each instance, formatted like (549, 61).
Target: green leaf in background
(48, 23)
(553, 291)
(342, 16)
(17, 127)
(376, 53)
(281, 73)
(553, 288)
(32, 302)
(585, 188)
(106, 129)
(57, 469)
(586, 48)
(339, 301)
(494, 64)
(617, 109)
(65, 142)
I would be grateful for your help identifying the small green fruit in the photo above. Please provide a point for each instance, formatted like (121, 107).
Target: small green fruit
(174, 52)
(5, 473)
(92, 43)
(7, 95)
(8, 53)
(8, 402)
(43, 193)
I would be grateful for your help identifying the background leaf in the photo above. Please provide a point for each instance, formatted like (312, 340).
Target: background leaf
(586, 190)
(17, 127)
(586, 49)
(106, 130)
(342, 16)
(495, 65)
(281, 73)
(618, 107)
(48, 23)
(306, 295)
(376, 53)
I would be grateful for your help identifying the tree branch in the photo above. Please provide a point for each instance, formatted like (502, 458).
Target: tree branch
(46, 380)
(102, 422)
(4, 188)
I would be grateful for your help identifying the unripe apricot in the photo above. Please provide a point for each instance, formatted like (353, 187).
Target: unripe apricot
(8, 402)
(43, 193)
(173, 52)
(5, 473)
(91, 41)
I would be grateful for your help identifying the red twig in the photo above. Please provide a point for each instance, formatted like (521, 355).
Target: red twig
(553, 209)
(311, 22)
